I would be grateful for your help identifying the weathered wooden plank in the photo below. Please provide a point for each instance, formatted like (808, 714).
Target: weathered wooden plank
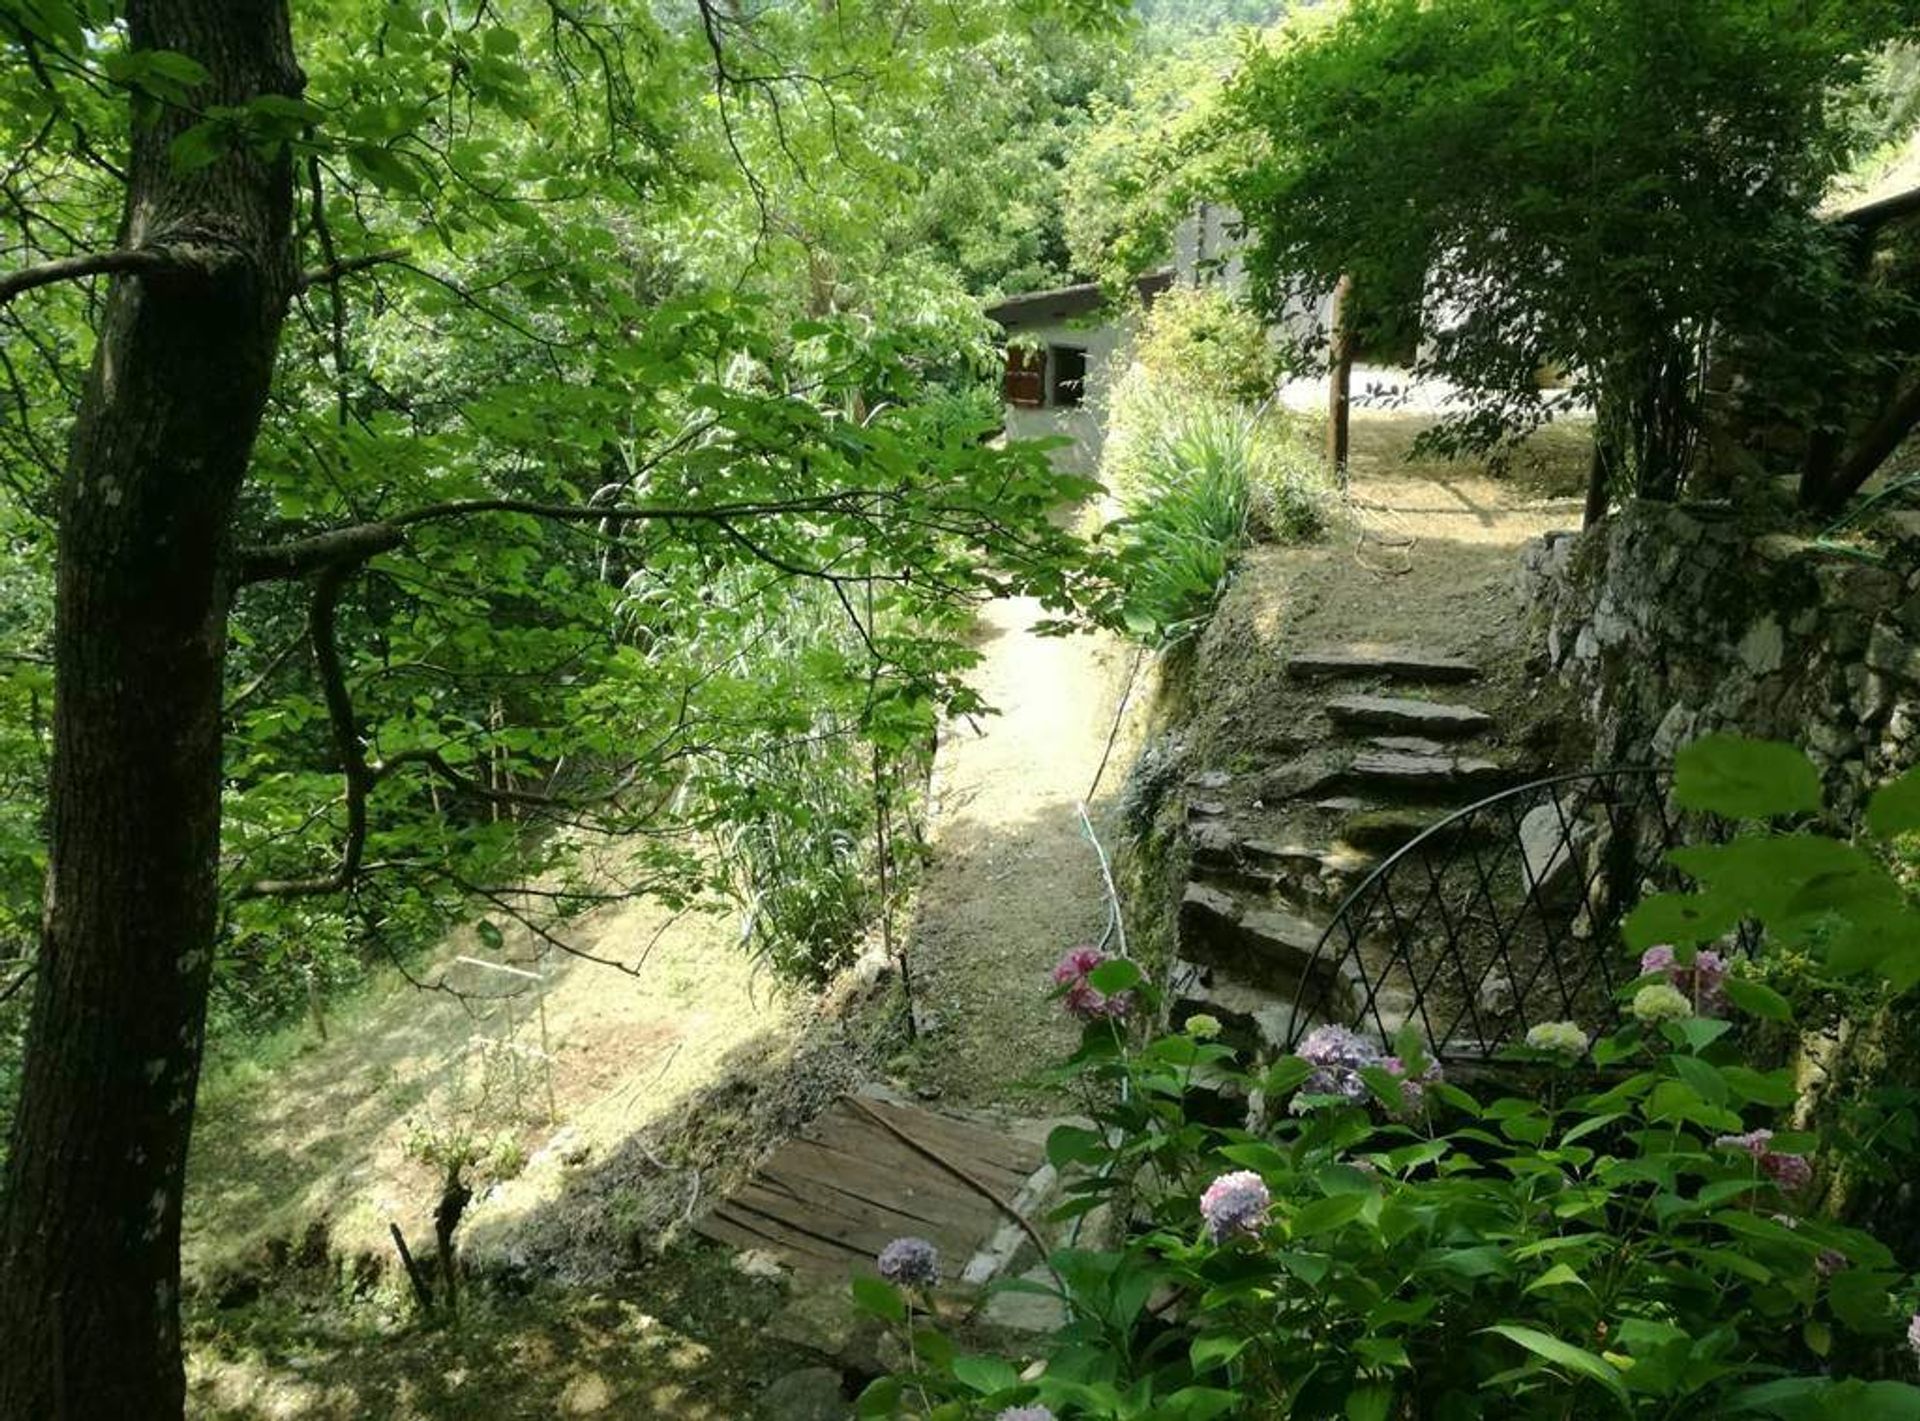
(918, 1195)
(724, 1226)
(862, 1237)
(851, 1207)
(865, 1138)
(970, 1143)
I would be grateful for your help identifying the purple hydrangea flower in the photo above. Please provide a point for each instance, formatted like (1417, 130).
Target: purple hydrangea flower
(1703, 981)
(910, 1263)
(1791, 1172)
(1082, 998)
(1025, 1413)
(1337, 1054)
(1235, 1206)
(1913, 1334)
(1413, 1084)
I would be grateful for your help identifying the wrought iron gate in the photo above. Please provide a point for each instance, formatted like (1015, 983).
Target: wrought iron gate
(1504, 914)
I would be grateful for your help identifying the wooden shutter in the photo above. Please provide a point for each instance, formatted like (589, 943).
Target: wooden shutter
(1026, 378)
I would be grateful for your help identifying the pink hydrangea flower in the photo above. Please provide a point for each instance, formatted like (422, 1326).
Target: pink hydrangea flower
(1235, 1206)
(1413, 1084)
(1790, 1171)
(1082, 998)
(1703, 980)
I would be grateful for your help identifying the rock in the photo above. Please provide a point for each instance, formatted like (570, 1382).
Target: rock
(810, 1394)
(1268, 948)
(758, 1263)
(1024, 1311)
(1209, 779)
(1764, 646)
(1297, 778)
(826, 1321)
(1251, 1019)
(1407, 745)
(1549, 841)
(1206, 809)
(1401, 713)
(1364, 659)
(1890, 653)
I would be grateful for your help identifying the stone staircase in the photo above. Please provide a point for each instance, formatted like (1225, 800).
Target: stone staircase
(1396, 745)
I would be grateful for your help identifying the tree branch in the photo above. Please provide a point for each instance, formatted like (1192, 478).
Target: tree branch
(346, 266)
(124, 261)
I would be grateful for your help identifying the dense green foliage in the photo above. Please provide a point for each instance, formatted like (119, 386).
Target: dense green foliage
(1615, 190)
(1622, 1232)
(659, 344)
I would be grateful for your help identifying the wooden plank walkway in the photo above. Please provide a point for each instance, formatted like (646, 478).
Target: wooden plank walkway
(868, 1171)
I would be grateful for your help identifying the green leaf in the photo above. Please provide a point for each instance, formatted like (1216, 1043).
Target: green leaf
(1679, 918)
(1558, 1276)
(1323, 1215)
(1216, 1350)
(1373, 1402)
(1895, 807)
(985, 1375)
(1112, 978)
(1565, 1354)
(880, 1298)
(1070, 1144)
(1758, 998)
(1739, 778)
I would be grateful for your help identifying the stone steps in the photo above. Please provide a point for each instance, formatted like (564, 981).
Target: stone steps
(1405, 715)
(1380, 830)
(1376, 661)
(1401, 771)
(1251, 1019)
(1264, 947)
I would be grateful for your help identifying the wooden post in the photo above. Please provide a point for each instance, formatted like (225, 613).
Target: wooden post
(1340, 383)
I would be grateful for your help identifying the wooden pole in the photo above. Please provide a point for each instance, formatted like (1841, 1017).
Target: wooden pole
(1340, 383)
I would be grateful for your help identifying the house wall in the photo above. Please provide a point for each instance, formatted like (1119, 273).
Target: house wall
(1085, 424)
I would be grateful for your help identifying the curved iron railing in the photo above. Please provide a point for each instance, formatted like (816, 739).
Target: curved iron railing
(1501, 915)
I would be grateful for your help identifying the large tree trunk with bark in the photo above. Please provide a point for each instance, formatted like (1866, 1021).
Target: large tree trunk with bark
(90, 1219)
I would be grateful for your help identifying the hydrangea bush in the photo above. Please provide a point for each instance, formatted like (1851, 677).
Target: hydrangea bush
(1615, 1222)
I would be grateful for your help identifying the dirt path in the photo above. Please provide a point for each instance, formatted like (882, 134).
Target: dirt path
(1014, 881)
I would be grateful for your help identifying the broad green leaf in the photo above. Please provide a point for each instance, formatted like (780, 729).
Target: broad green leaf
(1895, 806)
(1745, 779)
(1565, 1354)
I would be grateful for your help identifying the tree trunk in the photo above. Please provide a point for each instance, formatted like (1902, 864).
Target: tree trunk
(1340, 382)
(90, 1217)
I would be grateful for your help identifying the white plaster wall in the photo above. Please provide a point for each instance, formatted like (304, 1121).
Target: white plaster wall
(1084, 424)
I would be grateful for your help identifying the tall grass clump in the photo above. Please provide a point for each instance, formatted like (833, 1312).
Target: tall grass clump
(1197, 479)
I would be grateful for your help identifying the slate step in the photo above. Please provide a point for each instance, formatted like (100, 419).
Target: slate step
(1400, 771)
(1304, 873)
(1372, 659)
(1381, 831)
(1265, 947)
(1403, 714)
(1251, 1019)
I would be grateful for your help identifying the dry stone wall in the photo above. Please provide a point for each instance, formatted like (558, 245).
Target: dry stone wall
(1668, 621)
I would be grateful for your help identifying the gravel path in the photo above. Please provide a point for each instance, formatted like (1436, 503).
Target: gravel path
(1014, 881)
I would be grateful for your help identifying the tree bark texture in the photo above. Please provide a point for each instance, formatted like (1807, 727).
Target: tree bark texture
(90, 1216)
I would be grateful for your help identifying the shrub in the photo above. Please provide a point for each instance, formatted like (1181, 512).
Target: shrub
(1620, 1231)
(1199, 341)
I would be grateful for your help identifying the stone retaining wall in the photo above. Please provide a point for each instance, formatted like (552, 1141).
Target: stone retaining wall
(1669, 621)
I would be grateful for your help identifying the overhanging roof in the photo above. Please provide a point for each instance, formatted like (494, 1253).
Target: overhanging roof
(1034, 308)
